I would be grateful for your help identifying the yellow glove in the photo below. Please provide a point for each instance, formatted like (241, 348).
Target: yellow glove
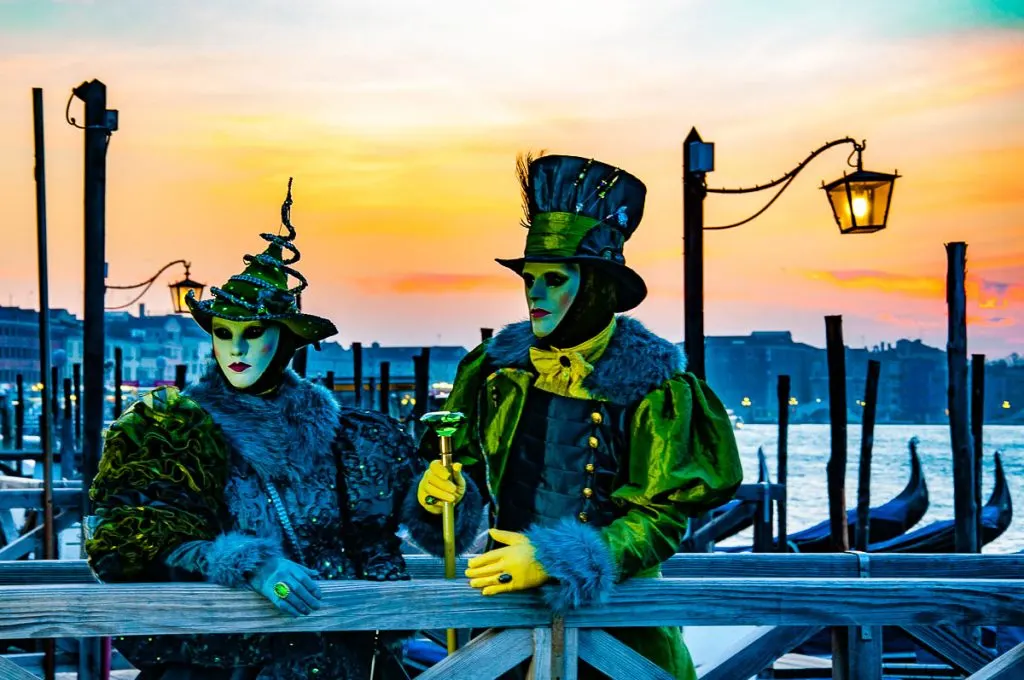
(436, 487)
(508, 569)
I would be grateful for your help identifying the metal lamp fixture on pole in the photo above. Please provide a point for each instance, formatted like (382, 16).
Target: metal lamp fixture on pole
(179, 289)
(859, 202)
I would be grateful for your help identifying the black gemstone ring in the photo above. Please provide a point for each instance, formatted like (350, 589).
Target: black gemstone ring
(430, 500)
(505, 578)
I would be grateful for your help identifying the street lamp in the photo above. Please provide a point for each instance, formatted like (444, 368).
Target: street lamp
(179, 289)
(859, 203)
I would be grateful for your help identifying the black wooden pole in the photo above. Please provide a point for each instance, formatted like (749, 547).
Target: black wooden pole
(385, 387)
(67, 440)
(76, 379)
(965, 510)
(694, 191)
(867, 442)
(94, 94)
(978, 429)
(98, 128)
(357, 374)
(836, 472)
(783, 392)
(181, 376)
(329, 382)
(49, 395)
(118, 381)
(19, 416)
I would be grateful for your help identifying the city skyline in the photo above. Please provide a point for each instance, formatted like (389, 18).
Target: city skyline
(400, 123)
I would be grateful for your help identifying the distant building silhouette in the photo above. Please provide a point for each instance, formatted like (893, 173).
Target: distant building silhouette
(743, 369)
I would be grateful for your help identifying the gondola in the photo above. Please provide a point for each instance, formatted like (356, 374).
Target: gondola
(887, 521)
(938, 537)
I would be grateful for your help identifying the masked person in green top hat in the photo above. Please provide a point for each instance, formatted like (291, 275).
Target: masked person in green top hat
(593, 441)
(255, 478)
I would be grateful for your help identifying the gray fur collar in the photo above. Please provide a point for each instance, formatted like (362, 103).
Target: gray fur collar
(280, 435)
(635, 363)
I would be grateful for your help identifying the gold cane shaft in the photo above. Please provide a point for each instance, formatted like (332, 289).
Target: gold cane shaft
(448, 530)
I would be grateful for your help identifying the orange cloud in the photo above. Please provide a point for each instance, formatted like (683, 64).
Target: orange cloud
(426, 283)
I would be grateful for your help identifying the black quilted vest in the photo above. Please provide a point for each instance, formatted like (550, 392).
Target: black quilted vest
(563, 462)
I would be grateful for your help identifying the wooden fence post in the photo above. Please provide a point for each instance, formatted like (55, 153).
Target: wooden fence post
(385, 387)
(357, 374)
(965, 507)
(181, 376)
(978, 429)
(783, 392)
(118, 366)
(836, 472)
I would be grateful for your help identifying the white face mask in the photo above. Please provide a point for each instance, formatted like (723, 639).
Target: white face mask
(550, 291)
(244, 349)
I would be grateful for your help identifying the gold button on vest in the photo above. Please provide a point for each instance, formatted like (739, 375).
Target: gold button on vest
(593, 442)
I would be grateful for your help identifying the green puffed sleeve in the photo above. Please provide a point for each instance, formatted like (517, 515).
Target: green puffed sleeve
(160, 483)
(683, 460)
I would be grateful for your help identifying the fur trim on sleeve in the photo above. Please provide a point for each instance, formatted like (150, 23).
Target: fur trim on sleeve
(425, 528)
(233, 556)
(576, 557)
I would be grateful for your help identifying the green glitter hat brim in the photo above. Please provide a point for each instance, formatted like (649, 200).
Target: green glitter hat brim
(306, 327)
(630, 286)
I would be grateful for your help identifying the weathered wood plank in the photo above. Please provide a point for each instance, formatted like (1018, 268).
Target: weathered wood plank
(32, 541)
(1009, 666)
(781, 602)
(29, 572)
(865, 657)
(486, 657)
(752, 654)
(12, 671)
(947, 644)
(9, 482)
(572, 654)
(543, 655)
(30, 498)
(754, 492)
(139, 609)
(616, 660)
(767, 565)
(679, 566)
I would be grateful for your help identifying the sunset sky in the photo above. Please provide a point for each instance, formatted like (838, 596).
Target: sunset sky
(400, 122)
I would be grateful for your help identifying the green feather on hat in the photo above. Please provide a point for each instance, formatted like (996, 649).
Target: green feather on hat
(261, 292)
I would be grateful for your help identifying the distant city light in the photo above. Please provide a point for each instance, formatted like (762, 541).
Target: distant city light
(793, 401)
(746, 401)
(1006, 404)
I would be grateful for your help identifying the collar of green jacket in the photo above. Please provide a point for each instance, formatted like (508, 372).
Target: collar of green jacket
(635, 362)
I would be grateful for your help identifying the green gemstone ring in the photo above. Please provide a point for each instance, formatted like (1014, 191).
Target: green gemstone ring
(430, 500)
(282, 590)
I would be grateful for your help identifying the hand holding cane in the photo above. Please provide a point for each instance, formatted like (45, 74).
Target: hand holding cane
(445, 424)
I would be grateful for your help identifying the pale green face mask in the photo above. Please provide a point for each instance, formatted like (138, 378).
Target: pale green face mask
(244, 349)
(550, 291)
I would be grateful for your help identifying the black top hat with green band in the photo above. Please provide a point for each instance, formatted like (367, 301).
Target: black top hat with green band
(582, 211)
(261, 292)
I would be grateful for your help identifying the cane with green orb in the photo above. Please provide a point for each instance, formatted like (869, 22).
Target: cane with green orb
(445, 424)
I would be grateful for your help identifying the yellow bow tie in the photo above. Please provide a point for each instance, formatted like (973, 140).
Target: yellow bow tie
(562, 371)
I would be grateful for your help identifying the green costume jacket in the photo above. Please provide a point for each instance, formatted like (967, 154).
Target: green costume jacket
(653, 447)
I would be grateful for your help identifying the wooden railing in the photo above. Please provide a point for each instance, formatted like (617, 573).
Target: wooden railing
(791, 597)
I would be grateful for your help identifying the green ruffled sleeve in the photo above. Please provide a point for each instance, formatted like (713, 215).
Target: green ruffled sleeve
(160, 484)
(683, 460)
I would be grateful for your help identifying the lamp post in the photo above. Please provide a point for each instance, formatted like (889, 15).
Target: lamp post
(179, 289)
(859, 203)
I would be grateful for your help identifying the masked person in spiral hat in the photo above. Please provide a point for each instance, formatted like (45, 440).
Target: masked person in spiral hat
(256, 478)
(593, 441)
